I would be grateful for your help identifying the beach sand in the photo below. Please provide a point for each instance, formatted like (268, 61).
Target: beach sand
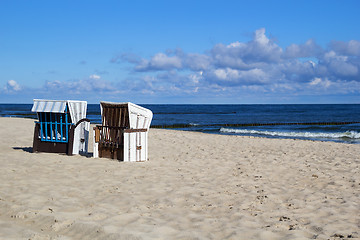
(195, 186)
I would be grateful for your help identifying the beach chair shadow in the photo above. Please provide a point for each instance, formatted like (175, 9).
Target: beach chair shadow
(25, 149)
(86, 154)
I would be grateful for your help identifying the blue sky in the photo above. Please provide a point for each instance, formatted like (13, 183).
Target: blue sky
(180, 51)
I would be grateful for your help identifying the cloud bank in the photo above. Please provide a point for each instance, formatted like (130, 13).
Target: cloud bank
(259, 65)
(258, 68)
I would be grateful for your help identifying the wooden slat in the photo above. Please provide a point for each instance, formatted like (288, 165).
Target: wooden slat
(127, 120)
(124, 116)
(121, 115)
(102, 131)
(97, 134)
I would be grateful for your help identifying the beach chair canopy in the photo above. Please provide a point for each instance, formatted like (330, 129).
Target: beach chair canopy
(126, 115)
(77, 109)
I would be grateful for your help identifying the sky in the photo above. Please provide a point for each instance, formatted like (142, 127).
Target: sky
(172, 52)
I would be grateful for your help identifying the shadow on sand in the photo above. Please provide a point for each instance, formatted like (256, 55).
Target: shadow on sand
(30, 150)
(25, 149)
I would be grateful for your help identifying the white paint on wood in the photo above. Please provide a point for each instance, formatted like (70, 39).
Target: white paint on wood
(126, 147)
(95, 146)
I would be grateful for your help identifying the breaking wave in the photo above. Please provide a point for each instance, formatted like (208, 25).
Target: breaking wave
(347, 134)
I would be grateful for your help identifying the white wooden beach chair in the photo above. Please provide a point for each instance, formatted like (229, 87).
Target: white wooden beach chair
(62, 126)
(123, 134)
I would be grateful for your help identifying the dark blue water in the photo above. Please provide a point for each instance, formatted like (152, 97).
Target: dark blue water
(214, 118)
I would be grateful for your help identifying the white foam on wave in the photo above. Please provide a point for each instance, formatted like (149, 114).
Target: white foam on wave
(347, 134)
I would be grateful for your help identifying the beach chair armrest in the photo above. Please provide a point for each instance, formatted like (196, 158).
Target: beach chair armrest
(82, 120)
(135, 130)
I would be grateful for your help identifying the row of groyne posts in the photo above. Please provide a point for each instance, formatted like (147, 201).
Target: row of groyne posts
(253, 124)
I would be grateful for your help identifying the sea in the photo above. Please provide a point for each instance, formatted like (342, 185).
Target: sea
(316, 122)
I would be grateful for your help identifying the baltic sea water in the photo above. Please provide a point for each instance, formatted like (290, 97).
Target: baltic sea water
(236, 119)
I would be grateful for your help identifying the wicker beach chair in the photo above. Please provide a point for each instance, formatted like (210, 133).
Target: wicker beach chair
(123, 134)
(62, 127)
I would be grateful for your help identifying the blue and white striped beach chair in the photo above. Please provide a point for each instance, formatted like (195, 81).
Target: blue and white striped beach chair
(62, 126)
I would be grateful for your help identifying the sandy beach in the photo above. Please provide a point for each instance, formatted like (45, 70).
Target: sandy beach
(195, 186)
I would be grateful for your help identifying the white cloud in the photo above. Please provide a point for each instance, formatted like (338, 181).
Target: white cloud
(94, 76)
(159, 61)
(12, 86)
(196, 77)
(351, 48)
(316, 81)
(196, 61)
(222, 74)
(340, 66)
(260, 37)
(297, 71)
(320, 82)
(233, 77)
(253, 54)
(94, 84)
(308, 49)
